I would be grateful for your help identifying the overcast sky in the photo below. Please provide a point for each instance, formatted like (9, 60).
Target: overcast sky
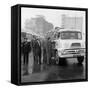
(51, 15)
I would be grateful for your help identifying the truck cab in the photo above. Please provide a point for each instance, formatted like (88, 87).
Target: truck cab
(68, 43)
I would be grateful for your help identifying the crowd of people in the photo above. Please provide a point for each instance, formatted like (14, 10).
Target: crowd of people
(41, 49)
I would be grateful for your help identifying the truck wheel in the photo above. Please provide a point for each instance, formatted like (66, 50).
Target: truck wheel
(80, 59)
(62, 61)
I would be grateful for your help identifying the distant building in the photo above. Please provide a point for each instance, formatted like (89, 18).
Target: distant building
(72, 22)
(23, 35)
(26, 35)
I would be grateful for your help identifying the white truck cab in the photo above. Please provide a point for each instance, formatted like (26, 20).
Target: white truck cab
(69, 44)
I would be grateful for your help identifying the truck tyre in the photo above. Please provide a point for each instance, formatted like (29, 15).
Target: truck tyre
(80, 59)
(62, 61)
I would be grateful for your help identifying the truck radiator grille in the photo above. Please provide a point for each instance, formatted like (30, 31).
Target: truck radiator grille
(76, 45)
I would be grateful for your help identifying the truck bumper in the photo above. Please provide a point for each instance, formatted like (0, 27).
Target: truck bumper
(71, 55)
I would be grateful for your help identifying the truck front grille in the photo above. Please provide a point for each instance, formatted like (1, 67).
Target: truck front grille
(72, 51)
(76, 45)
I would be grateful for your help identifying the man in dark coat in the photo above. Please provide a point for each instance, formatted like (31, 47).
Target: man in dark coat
(48, 50)
(26, 50)
(36, 50)
(33, 42)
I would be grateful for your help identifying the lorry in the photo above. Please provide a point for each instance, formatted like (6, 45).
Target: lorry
(68, 43)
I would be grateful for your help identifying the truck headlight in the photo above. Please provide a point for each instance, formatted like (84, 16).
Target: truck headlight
(62, 51)
(82, 51)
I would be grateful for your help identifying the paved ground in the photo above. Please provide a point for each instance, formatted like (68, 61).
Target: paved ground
(70, 70)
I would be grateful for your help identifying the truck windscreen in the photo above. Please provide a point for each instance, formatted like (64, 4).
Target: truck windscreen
(71, 35)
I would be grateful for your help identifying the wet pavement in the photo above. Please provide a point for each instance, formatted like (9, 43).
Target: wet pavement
(70, 70)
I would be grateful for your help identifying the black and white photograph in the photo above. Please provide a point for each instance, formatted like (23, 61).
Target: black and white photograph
(53, 45)
(44, 45)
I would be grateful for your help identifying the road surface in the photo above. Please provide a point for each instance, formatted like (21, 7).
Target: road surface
(69, 71)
